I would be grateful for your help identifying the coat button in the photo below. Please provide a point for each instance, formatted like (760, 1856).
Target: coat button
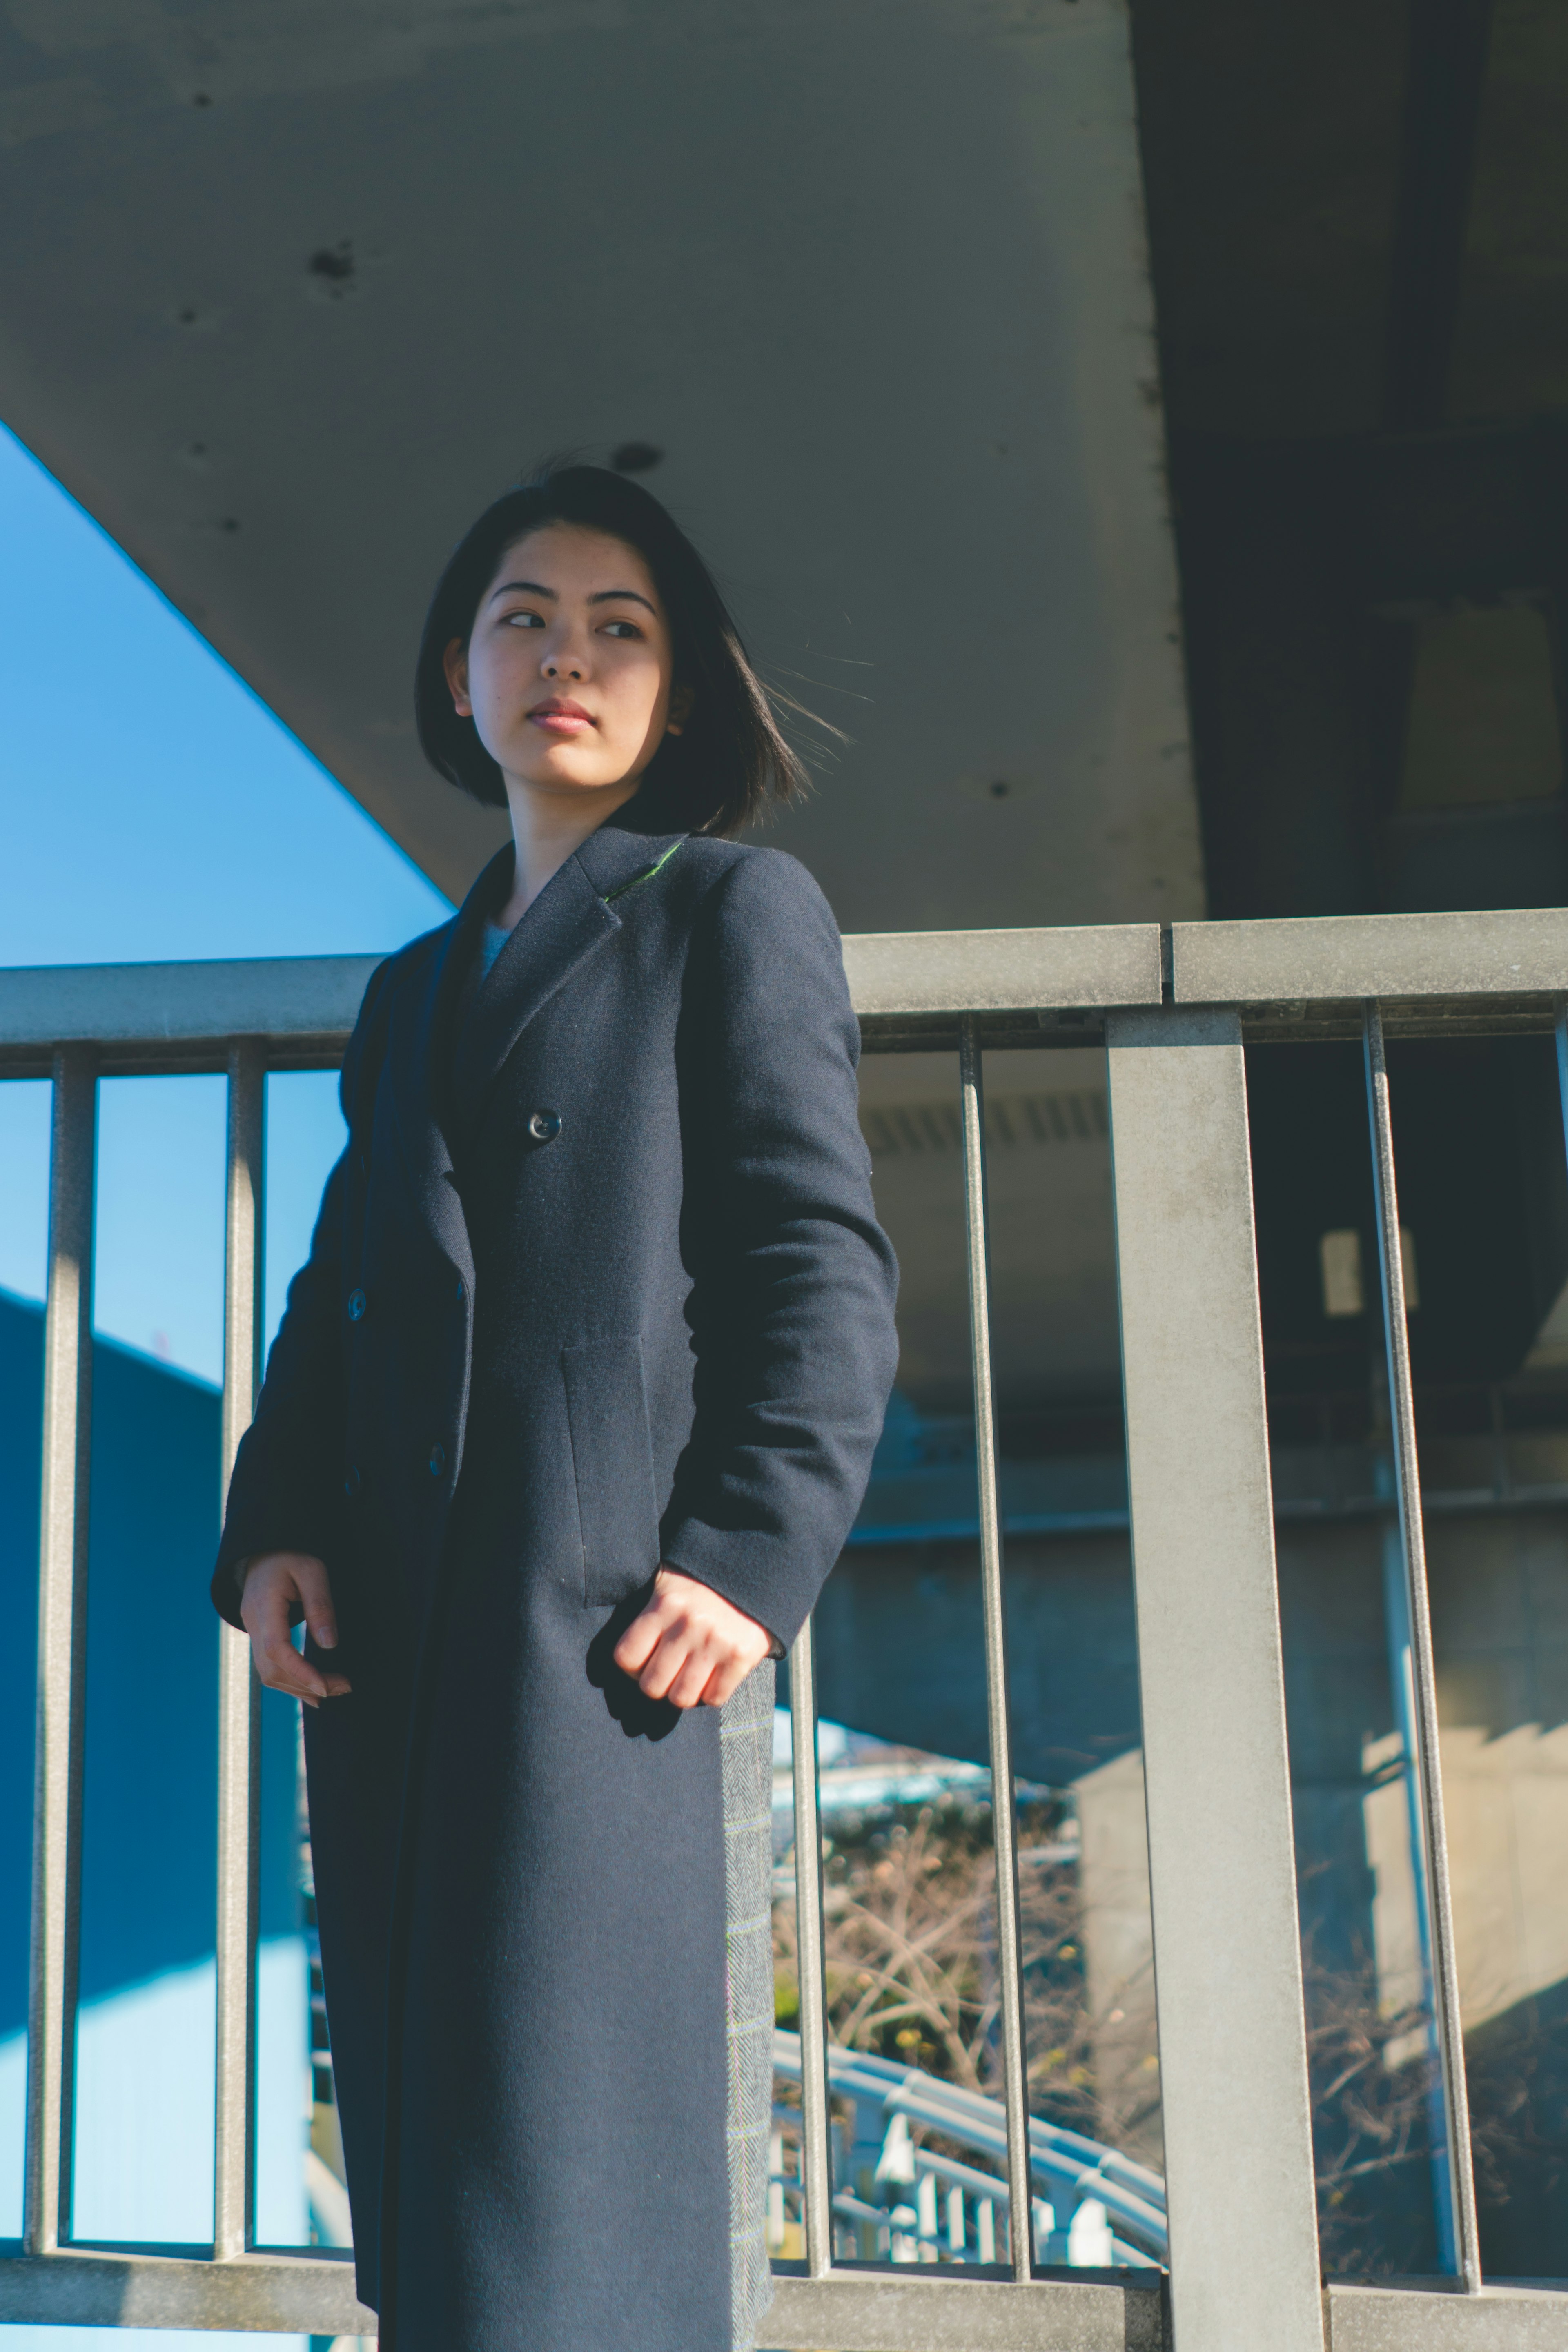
(438, 1460)
(357, 1304)
(350, 1484)
(544, 1126)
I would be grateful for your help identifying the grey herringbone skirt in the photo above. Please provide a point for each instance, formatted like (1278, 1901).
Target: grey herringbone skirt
(746, 1745)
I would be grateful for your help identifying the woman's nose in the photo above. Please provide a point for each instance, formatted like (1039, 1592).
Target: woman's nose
(565, 661)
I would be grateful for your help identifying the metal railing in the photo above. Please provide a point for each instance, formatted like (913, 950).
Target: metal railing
(1170, 1010)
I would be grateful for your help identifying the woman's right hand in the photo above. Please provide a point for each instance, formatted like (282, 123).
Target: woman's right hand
(282, 1587)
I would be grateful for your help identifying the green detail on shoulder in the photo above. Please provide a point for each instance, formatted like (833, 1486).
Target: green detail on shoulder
(625, 888)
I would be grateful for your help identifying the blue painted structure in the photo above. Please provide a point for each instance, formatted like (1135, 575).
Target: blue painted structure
(144, 2153)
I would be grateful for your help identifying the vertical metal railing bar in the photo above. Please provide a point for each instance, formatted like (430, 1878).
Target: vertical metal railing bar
(1002, 1809)
(239, 1713)
(62, 1655)
(1426, 1761)
(815, 2164)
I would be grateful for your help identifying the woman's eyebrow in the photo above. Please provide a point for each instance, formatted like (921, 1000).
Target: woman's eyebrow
(608, 595)
(601, 596)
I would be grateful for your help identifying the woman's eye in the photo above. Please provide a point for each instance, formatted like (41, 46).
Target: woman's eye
(622, 629)
(522, 621)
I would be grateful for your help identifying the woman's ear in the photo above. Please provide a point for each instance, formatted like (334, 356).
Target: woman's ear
(681, 699)
(455, 662)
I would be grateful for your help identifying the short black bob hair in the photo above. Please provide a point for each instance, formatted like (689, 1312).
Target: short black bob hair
(729, 759)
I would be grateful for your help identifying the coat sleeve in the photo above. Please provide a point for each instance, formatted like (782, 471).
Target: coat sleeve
(286, 1492)
(794, 1280)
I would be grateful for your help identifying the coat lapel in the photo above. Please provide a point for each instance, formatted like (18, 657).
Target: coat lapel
(569, 920)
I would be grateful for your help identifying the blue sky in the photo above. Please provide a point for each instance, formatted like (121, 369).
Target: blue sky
(151, 807)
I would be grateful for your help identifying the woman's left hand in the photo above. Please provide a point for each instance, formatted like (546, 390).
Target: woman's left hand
(690, 1646)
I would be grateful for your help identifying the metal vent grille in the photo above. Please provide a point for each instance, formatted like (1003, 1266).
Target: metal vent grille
(894, 1129)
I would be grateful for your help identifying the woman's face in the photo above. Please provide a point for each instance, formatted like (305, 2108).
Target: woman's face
(567, 674)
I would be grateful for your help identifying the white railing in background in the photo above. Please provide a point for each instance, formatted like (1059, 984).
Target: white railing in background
(1115, 2209)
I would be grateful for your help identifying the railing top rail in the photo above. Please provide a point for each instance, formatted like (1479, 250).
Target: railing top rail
(1081, 968)
(171, 1012)
(1318, 959)
(311, 1000)
(168, 1015)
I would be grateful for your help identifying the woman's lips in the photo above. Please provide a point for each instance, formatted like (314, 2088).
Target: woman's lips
(561, 718)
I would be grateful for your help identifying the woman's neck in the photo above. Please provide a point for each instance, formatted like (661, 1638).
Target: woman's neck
(546, 828)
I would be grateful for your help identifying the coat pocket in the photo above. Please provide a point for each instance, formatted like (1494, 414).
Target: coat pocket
(612, 1459)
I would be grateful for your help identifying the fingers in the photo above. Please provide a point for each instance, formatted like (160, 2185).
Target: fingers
(315, 1591)
(726, 1680)
(281, 1668)
(641, 1638)
(680, 1670)
(690, 1645)
(658, 1650)
(653, 1650)
(656, 1645)
(279, 1589)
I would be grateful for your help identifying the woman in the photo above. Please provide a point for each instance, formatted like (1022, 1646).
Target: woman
(566, 1422)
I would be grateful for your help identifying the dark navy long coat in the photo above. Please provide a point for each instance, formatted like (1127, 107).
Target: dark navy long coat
(596, 1283)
